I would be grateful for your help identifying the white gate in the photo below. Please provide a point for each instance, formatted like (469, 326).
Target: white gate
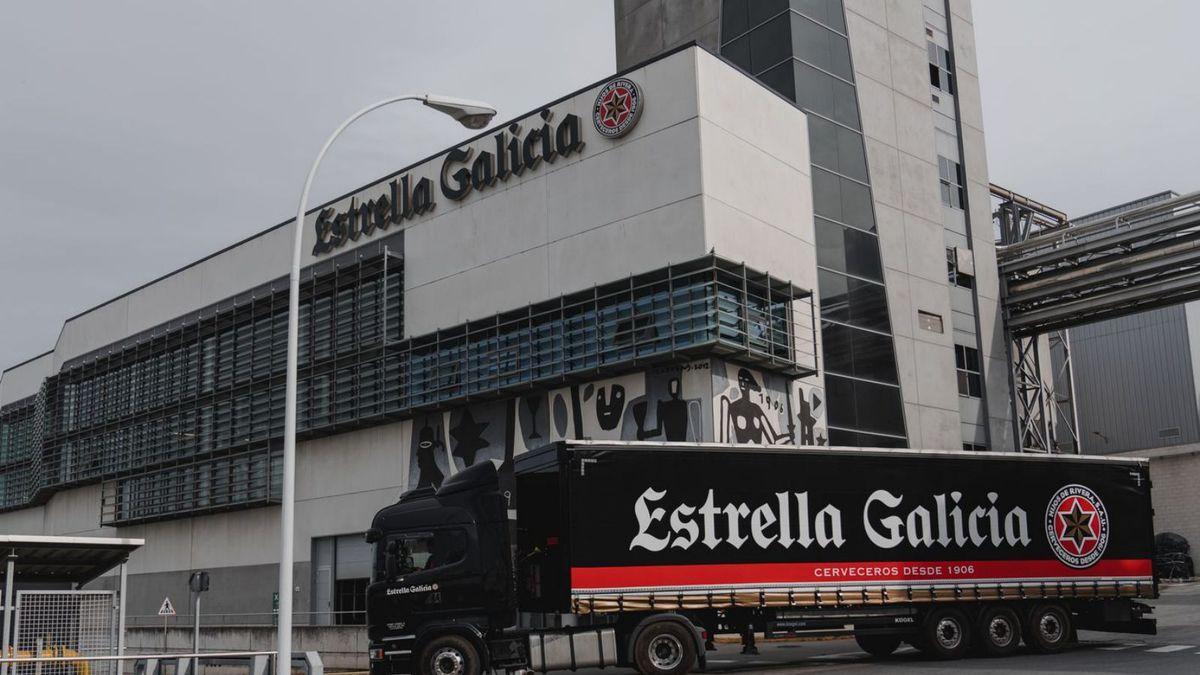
(66, 623)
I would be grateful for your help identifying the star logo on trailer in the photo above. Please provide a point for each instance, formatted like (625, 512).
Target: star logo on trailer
(1077, 526)
(618, 107)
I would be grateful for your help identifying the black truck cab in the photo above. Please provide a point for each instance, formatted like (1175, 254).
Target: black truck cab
(440, 568)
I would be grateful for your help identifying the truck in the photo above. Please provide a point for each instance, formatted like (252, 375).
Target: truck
(600, 553)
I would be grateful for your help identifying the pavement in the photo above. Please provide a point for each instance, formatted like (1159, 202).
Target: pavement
(1176, 649)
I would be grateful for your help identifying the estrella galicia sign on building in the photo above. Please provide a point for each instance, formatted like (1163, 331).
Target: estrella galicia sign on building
(467, 168)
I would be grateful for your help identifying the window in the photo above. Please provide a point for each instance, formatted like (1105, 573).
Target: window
(420, 551)
(350, 602)
(950, 177)
(930, 321)
(941, 74)
(970, 380)
(954, 274)
(974, 447)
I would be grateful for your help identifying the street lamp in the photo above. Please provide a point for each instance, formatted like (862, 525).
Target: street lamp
(470, 114)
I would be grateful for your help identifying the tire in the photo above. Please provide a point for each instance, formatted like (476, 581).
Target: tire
(998, 632)
(945, 634)
(1048, 629)
(879, 646)
(449, 655)
(664, 648)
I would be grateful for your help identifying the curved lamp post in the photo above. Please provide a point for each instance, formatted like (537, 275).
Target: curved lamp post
(472, 115)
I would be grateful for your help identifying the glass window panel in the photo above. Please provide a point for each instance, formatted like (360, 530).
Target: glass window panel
(859, 353)
(735, 18)
(843, 200)
(836, 148)
(826, 95)
(879, 408)
(738, 52)
(821, 47)
(853, 301)
(828, 12)
(846, 249)
(761, 10)
(770, 43)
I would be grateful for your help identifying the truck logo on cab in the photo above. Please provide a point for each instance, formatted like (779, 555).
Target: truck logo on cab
(1077, 526)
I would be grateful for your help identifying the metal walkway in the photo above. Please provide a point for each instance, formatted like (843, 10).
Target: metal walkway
(1055, 275)
(1068, 276)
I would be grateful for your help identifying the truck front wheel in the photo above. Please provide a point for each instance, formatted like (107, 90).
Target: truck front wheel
(449, 655)
(1049, 628)
(664, 648)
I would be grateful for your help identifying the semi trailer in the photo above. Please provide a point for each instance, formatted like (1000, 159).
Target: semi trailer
(593, 554)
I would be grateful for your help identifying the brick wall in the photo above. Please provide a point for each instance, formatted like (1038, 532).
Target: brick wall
(1176, 495)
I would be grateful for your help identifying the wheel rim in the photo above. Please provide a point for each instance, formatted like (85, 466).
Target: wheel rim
(1001, 632)
(449, 661)
(1051, 627)
(948, 633)
(665, 652)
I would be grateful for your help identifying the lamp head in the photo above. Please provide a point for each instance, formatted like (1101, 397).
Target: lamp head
(470, 114)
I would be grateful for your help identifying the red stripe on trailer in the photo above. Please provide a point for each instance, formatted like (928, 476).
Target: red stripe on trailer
(640, 576)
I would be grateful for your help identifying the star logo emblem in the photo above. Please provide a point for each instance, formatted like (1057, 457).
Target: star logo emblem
(617, 108)
(1077, 526)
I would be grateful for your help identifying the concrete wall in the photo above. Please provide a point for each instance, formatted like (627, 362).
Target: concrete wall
(341, 647)
(1175, 473)
(24, 380)
(900, 122)
(648, 27)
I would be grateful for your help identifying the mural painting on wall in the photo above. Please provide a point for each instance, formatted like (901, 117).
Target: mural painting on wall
(428, 463)
(809, 407)
(751, 406)
(706, 400)
(478, 433)
(665, 403)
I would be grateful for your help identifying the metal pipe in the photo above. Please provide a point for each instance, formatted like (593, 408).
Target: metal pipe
(196, 626)
(10, 572)
(121, 608)
(471, 114)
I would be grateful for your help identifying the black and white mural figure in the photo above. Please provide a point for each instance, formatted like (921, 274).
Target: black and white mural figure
(745, 408)
(610, 403)
(809, 408)
(427, 464)
(672, 409)
(477, 434)
(600, 409)
(533, 419)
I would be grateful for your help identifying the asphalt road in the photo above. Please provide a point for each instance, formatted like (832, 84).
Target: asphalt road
(1176, 649)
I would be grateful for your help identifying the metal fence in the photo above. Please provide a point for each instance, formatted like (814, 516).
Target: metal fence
(65, 624)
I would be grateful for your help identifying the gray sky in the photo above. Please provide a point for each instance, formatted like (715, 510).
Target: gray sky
(1090, 103)
(136, 137)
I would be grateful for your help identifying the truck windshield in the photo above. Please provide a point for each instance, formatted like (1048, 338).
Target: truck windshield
(418, 551)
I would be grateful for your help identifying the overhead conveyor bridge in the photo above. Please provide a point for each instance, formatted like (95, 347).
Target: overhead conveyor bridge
(1072, 275)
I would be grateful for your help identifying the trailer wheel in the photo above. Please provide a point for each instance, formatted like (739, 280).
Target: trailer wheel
(999, 631)
(879, 646)
(449, 655)
(1049, 628)
(945, 634)
(664, 648)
